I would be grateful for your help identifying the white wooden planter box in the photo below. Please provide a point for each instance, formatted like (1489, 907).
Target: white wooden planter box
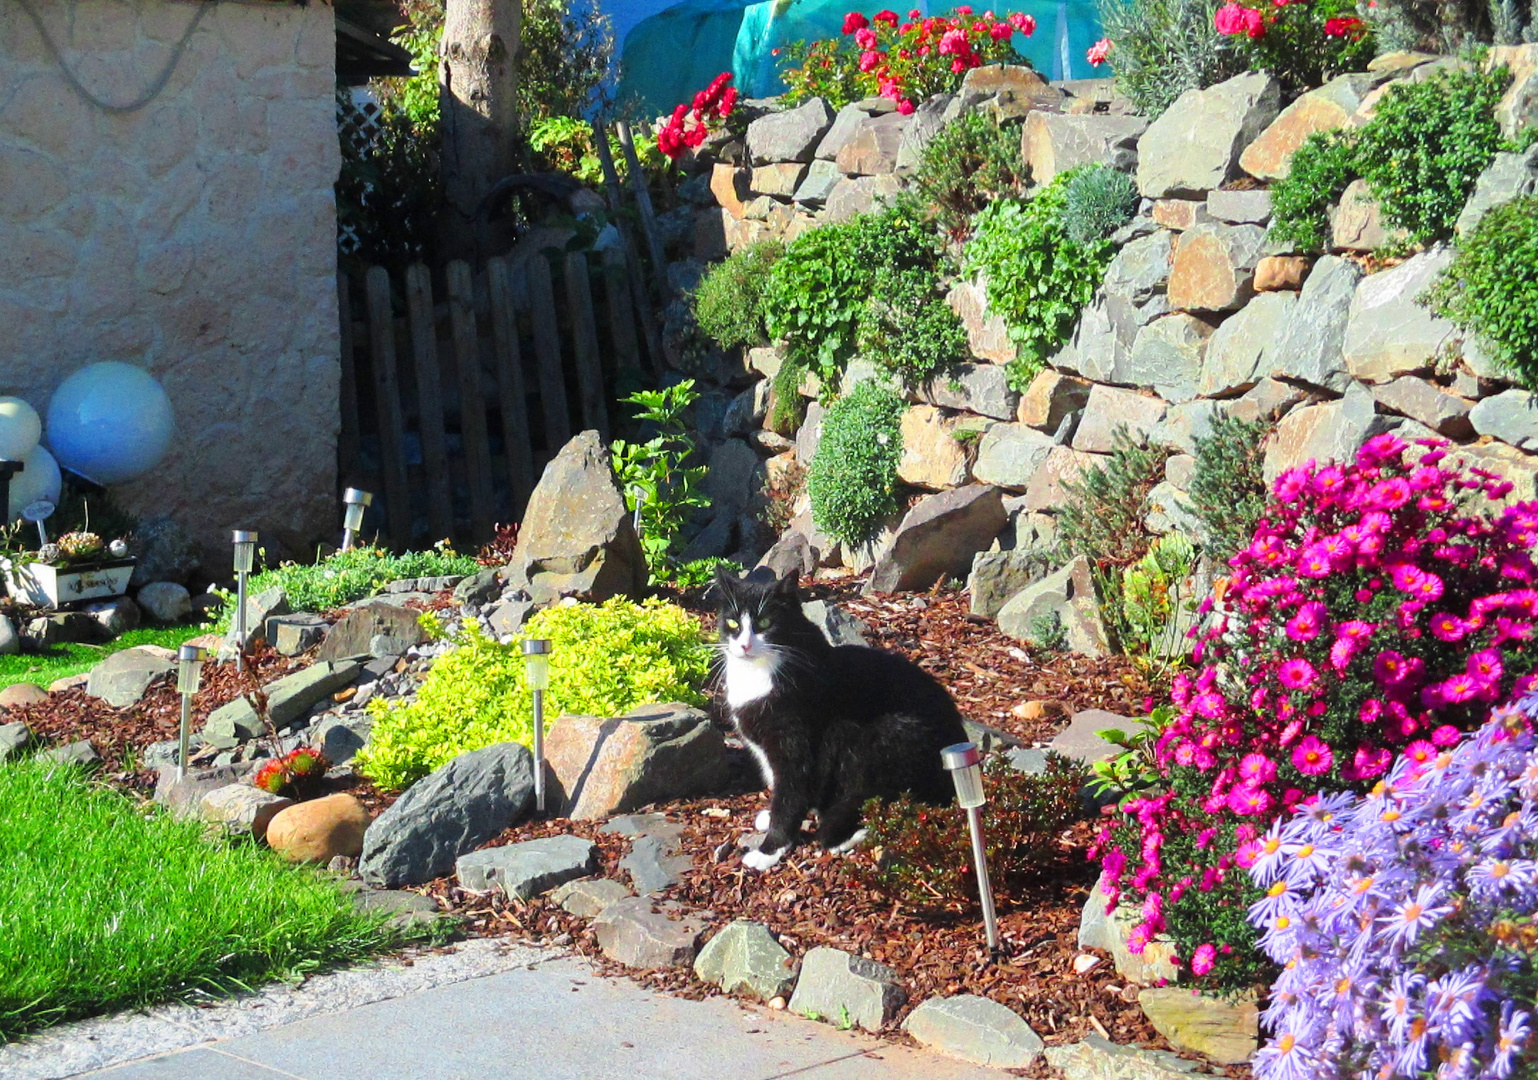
(52, 586)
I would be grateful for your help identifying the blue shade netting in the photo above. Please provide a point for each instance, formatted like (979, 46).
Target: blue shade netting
(672, 55)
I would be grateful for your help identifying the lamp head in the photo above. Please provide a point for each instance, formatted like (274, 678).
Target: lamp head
(536, 659)
(964, 763)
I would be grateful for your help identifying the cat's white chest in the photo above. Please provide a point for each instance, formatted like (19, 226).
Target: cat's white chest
(749, 679)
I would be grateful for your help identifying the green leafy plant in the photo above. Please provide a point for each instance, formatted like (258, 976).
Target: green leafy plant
(971, 162)
(1048, 633)
(657, 476)
(1162, 48)
(1156, 592)
(605, 660)
(1320, 171)
(1426, 145)
(787, 408)
(1097, 200)
(697, 573)
(1491, 288)
(1228, 485)
(853, 479)
(1039, 279)
(565, 53)
(908, 328)
(920, 855)
(729, 302)
(1135, 767)
(817, 294)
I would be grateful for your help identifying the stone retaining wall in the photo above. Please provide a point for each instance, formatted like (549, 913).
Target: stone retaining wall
(195, 237)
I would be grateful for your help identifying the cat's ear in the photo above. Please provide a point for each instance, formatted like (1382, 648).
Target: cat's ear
(724, 582)
(789, 586)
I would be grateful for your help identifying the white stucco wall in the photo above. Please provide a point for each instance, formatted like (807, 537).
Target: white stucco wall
(195, 237)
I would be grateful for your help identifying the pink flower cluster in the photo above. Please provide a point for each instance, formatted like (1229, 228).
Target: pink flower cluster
(1234, 18)
(688, 127)
(1376, 612)
(904, 56)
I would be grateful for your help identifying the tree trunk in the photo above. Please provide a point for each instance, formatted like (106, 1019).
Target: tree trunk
(478, 82)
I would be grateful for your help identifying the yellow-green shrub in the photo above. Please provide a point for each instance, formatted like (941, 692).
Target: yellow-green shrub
(605, 660)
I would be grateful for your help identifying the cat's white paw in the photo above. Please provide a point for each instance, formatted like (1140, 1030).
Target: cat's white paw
(762, 860)
(761, 822)
(854, 841)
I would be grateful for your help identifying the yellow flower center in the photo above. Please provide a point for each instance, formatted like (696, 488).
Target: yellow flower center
(1277, 889)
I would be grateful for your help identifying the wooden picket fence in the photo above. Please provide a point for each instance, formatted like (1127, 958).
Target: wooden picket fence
(452, 404)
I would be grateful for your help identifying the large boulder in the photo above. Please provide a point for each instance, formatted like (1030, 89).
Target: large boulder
(1388, 331)
(1310, 347)
(1225, 1030)
(854, 195)
(1137, 283)
(838, 987)
(975, 388)
(1111, 407)
(1424, 401)
(1008, 91)
(1049, 487)
(577, 537)
(1356, 222)
(452, 811)
(1331, 106)
(872, 149)
(122, 678)
(376, 629)
(319, 830)
(165, 601)
(1100, 1059)
(938, 538)
(928, 120)
(242, 809)
(162, 551)
(791, 135)
(14, 738)
(998, 575)
(1053, 143)
(1108, 930)
(1518, 108)
(1066, 596)
(634, 932)
(654, 753)
(933, 456)
(1194, 146)
(1240, 353)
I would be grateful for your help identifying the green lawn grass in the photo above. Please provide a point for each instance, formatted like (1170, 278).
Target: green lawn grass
(106, 904)
(65, 660)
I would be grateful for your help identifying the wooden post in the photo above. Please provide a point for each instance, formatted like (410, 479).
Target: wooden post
(584, 336)
(634, 270)
(381, 330)
(347, 437)
(627, 350)
(547, 351)
(472, 397)
(509, 368)
(424, 353)
(643, 202)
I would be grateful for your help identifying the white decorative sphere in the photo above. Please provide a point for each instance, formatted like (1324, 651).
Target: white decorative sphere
(20, 428)
(110, 422)
(39, 479)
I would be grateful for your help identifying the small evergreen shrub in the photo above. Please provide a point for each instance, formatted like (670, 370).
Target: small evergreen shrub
(729, 301)
(971, 162)
(1162, 48)
(1097, 200)
(1039, 278)
(909, 329)
(1426, 145)
(605, 660)
(787, 409)
(1228, 486)
(1491, 288)
(921, 856)
(1321, 170)
(853, 478)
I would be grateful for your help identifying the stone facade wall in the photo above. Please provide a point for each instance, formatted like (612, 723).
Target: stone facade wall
(194, 237)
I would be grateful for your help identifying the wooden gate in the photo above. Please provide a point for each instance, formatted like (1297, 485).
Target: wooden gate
(452, 403)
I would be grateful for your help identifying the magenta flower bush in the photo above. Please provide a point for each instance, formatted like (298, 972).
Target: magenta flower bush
(1403, 921)
(1378, 610)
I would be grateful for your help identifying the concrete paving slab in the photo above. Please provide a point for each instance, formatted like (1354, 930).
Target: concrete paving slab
(199, 1065)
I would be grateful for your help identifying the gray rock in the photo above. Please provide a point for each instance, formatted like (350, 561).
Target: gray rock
(859, 195)
(165, 601)
(653, 864)
(1510, 416)
(975, 1029)
(293, 634)
(836, 624)
(926, 122)
(817, 185)
(242, 809)
(1069, 595)
(745, 956)
(1388, 332)
(480, 587)
(747, 410)
(1027, 760)
(809, 435)
(733, 470)
(1508, 177)
(340, 738)
(454, 810)
(10, 640)
(1446, 414)
(998, 575)
(1333, 431)
(939, 536)
(508, 617)
(1194, 146)
(872, 149)
(791, 554)
(355, 634)
(14, 738)
(1111, 407)
(162, 551)
(975, 388)
(1184, 424)
(528, 869)
(1081, 740)
(1167, 356)
(182, 796)
(62, 627)
(122, 678)
(1270, 399)
(841, 988)
(262, 606)
(1009, 455)
(588, 897)
(631, 933)
(1136, 283)
(1311, 346)
(1245, 348)
(1356, 222)
(1223, 1029)
(80, 754)
(1100, 1059)
(577, 537)
(1053, 143)
(117, 617)
(792, 135)
(845, 123)
(1240, 207)
(288, 699)
(406, 909)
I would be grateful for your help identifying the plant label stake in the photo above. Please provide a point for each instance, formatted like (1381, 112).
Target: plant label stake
(536, 660)
(963, 762)
(189, 670)
(37, 513)
(245, 554)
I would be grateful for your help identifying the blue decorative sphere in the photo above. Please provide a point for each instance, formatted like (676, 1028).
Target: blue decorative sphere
(110, 422)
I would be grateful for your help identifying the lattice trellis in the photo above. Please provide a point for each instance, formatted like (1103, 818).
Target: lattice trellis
(358, 115)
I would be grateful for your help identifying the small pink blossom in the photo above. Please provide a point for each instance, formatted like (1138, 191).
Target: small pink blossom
(1296, 674)
(1312, 756)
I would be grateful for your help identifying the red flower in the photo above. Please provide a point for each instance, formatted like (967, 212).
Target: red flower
(1349, 27)
(905, 107)
(855, 21)
(888, 17)
(1099, 51)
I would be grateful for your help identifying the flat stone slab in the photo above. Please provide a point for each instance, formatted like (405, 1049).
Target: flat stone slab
(288, 699)
(530, 868)
(631, 932)
(375, 628)
(122, 678)
(1226, 1031)
(975, 1029)
(653, 864)
(80, 753)
(1100, 1059)
(1081, 740)
(845, 989)
(745, 956)
(589, 897)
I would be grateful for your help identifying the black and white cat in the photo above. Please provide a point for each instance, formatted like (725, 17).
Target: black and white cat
(830, 727)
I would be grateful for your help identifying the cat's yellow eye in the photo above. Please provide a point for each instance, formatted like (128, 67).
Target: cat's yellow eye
(731, 624)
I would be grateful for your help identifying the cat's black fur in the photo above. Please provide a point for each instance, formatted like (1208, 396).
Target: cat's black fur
(840, 725)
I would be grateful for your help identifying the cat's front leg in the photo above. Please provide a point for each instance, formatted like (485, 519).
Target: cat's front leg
(787, 809)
